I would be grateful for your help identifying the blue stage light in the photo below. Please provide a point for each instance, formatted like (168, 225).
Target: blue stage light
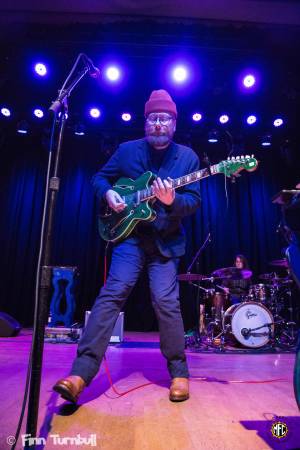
(5, 112)
(40, 69)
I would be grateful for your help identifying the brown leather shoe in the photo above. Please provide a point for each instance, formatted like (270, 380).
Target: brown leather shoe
(179, 390)
(70, 387)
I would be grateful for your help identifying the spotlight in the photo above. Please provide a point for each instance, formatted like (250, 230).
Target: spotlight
(266, 141)
(126, 117)
(5, 112)
(249, 80)
(278, 122)
(179, 74)
(40, 69)
(197, 117)
(38, 113)
(213, 136)
(79, 129)
(223, 119)
(95, 113)
(251, 120)
(112, 73)
(22, 127)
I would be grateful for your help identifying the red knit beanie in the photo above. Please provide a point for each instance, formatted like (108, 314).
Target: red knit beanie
(160, 101)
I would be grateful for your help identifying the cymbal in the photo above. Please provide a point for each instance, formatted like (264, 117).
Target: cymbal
(232, 273)
(279, 263)
(266, 276)
(272, 278)
(190, 277)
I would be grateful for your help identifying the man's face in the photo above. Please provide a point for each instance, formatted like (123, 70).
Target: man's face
(159, 129)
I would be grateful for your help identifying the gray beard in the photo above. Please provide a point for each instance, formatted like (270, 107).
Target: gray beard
(158, 141)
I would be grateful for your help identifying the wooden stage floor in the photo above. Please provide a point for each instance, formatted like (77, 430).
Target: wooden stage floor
(222, 412)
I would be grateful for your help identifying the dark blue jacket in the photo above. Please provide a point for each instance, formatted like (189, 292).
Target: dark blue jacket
(132, 159)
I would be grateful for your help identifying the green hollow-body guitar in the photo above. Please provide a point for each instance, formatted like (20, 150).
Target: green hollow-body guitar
(138, 196)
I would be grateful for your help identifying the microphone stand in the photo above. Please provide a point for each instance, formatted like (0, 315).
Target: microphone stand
(207, 240)
(44, 269)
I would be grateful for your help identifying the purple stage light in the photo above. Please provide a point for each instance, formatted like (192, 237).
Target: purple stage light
(249, 80)
(95, 113)
(22, 127)
(197, 117)
(126, 117)
(40, 69)
(79, 129)
(266, 141)
(112, 73)
(278, 122)
(251, 120)
(5, 112)
(179, 74)
(213, 136)
(38, 113)
(224, 118)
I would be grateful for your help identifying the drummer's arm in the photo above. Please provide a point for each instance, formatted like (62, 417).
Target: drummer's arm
(225, 286)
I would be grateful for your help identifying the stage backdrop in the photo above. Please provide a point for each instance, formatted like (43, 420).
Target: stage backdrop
(243, 222)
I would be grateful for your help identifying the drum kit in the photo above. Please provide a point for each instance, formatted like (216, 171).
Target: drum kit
(263, 316)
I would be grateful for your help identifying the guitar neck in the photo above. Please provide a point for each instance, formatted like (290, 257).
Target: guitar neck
(147, 194)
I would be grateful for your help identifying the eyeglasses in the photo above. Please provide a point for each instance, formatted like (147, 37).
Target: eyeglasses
(163, 120)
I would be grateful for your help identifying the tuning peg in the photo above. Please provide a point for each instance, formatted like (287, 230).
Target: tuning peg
(252, 156)
(237, 158)
(233, 158)
(247, 156)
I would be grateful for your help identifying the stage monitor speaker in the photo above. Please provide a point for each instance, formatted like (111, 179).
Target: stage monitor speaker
(8, 325)
(118, 331)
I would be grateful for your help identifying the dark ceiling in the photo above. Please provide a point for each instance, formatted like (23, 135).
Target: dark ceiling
(221, 38)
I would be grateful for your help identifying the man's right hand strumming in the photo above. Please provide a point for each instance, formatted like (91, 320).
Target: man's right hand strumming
(115, 201)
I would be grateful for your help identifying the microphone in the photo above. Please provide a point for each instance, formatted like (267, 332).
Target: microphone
(94, 72)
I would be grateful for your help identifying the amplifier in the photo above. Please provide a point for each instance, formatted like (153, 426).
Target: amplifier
(118, 331)
(63, 335)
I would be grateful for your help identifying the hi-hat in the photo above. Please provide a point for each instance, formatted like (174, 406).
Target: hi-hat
(190, 277)
(279, 263)
(232, 273)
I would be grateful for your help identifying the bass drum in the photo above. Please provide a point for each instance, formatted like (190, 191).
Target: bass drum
(240, 319)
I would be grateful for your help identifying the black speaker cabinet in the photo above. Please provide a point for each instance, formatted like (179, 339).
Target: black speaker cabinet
(8, 325)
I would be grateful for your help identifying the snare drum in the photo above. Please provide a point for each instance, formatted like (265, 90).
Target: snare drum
(258, 292)
(248, 323)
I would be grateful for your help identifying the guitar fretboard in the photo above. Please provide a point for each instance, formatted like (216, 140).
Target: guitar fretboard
(147, 194)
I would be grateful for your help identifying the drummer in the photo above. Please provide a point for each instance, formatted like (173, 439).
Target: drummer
(237, 288)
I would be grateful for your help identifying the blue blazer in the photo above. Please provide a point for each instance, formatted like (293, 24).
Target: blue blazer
(132, 159)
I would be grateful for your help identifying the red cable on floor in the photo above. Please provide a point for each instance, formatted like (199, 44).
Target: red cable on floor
(120, 394)
(105, 264)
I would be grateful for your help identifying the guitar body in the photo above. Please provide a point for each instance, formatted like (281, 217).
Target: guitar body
(114, 227)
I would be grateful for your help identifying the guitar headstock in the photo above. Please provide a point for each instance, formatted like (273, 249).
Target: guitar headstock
(232, 166)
